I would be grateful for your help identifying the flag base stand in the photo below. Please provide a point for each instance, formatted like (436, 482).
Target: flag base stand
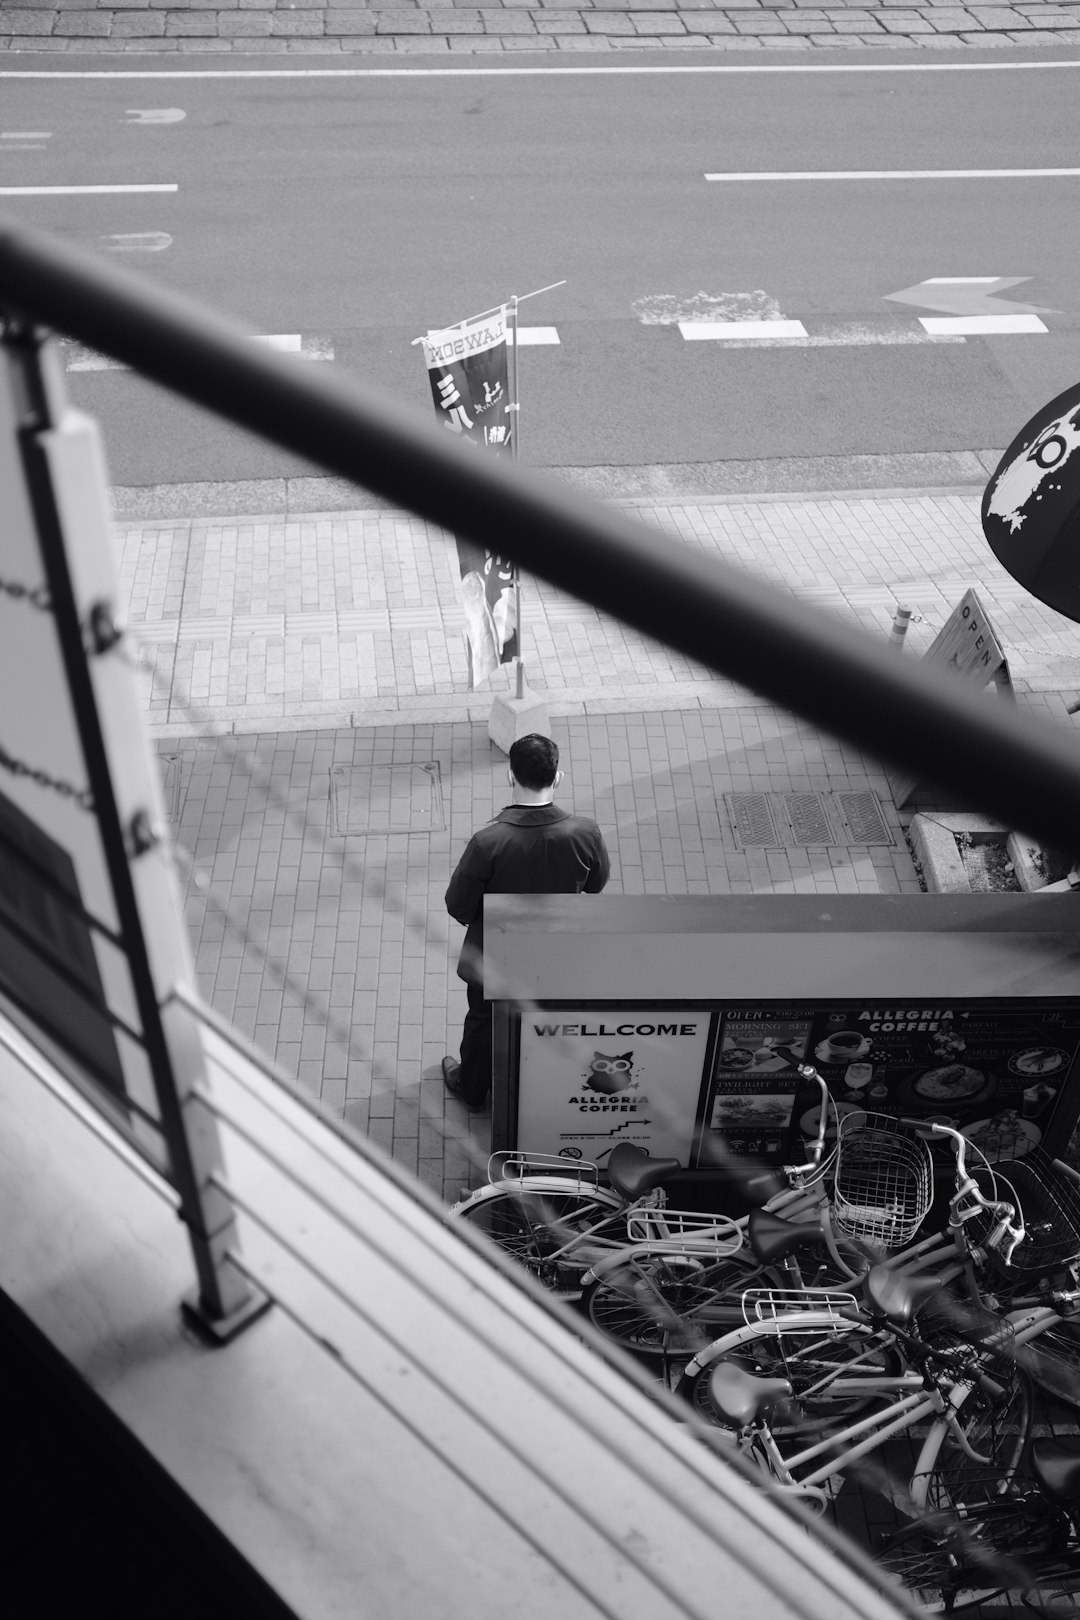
(516, 716)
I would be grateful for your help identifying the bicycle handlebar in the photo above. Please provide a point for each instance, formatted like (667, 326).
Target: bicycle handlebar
(795, 1172)
(1010, 1231)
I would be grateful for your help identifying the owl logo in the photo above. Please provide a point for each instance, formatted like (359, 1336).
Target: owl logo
(609, 1074)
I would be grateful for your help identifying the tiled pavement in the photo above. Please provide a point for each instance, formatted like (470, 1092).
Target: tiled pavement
(330, 770)
(391, 28)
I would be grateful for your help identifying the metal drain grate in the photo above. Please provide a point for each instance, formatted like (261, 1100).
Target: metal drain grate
(385, 799)
(863, 818)
(806, 820)
(752, 821)
(807, 817)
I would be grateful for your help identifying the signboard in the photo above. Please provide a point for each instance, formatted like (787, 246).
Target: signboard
(588, 1080)
(589, 1077)
(996, 1071)
(966, 645)
(1031, 506)
(467, 370)
(468, 376)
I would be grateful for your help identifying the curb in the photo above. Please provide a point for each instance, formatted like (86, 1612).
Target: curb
(783, 478)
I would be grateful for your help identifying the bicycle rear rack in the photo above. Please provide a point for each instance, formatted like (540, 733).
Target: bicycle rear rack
(581, 1173)
(685, 1230)
(772, 1304)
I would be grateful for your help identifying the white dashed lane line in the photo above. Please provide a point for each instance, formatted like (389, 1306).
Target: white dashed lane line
(23, 140)
(78, 191)
(897, 174)
(77, 357)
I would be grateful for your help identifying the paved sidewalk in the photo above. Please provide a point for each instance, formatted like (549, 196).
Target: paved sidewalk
(448, 27)
(324, 823)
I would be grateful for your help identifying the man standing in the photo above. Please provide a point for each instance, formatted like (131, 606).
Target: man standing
(531, 847)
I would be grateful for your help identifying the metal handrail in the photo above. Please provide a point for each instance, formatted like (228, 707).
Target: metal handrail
(1007, 763)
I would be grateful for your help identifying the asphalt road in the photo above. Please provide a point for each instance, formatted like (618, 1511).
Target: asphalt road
(359, 211)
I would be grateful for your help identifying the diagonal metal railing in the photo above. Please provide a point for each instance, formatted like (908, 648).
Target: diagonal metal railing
(1005, 762)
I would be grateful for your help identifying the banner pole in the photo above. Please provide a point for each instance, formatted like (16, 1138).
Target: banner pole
(515, 448)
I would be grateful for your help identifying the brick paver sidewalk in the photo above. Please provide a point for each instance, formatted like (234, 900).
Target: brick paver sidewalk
(322, 854)
(442, 27)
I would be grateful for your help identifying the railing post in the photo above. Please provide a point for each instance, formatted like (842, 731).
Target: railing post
(89, 719)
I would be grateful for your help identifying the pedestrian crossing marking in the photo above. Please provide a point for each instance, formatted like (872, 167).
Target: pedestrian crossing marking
(746, 331)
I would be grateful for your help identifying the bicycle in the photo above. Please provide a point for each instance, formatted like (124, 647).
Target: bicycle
(801, 1366)
(659, 1302)
(1025, 1541)
(554, 1217)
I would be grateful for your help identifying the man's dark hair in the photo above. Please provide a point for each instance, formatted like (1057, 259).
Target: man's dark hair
(534, 761)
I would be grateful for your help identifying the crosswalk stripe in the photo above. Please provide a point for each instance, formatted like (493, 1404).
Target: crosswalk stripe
(533, 334)
(747, 331)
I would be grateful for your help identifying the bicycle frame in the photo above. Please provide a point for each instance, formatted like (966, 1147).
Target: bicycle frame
(913, 1404)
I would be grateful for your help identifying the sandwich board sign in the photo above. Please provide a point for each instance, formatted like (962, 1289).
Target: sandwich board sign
(966, 646)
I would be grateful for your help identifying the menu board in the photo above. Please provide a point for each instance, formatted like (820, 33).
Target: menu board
(998, 1071)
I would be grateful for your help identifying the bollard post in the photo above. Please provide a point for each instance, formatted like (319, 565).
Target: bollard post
(901, 620)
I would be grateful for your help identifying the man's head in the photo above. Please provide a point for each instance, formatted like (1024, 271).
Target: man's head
(534, 762)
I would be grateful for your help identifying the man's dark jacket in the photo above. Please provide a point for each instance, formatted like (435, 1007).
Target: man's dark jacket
(527, 849)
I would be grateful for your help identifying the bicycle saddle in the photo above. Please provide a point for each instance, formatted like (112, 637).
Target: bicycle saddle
(895, 1297)
(772, 1238)
(1056, 1466)
(742, 1396)
(632, 1172)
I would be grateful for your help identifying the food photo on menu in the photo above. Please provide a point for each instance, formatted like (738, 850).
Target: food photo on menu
(996, 1072)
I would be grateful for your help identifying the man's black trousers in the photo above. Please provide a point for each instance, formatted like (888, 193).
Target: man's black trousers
(475, 1081)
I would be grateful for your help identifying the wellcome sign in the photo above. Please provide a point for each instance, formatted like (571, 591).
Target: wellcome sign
(590, 1081)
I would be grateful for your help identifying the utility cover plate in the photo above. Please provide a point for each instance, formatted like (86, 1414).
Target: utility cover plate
(806, 820)
(385, 799)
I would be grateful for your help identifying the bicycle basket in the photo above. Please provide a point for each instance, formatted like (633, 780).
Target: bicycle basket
(1050, 1206)
(883, 1184)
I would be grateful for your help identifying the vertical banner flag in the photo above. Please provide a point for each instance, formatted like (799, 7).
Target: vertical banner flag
(467, 369)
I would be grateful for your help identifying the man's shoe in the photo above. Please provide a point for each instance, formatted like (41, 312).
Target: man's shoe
(451, 1073)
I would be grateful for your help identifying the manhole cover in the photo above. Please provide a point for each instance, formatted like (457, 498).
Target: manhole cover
(751, 820)
(171, 779)
(864, 818)
(385, 799)
(807, 818)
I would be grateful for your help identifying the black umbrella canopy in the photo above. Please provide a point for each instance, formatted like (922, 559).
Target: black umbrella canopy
(1031, 506)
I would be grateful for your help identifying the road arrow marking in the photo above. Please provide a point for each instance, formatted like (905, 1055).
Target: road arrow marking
(968, 295)
(155, 115)
(979, 325)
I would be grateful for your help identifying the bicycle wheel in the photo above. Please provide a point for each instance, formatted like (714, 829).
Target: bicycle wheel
(660, 1303)
(947, 1566)
(833, 1376)
(996, 1430)
(545, 1228)
(1053, 1361)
